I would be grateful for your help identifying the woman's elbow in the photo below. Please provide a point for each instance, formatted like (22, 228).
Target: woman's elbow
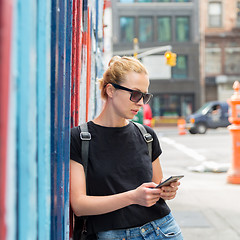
(77, 208)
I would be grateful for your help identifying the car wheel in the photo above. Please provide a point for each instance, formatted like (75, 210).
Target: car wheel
(201, 128)
(192, 131)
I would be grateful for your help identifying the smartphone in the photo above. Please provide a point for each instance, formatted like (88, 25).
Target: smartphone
(170, 180)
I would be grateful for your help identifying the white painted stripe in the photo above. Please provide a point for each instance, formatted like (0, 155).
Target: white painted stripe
(182, 148)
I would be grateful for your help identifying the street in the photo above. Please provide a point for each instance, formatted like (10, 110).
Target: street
(206, 206)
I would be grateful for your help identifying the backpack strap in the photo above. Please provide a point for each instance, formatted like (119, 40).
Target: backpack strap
(147, 137)
(79, 231)
(85, 136)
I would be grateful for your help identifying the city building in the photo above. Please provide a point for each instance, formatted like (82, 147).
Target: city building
(220, 28)
(158, 23)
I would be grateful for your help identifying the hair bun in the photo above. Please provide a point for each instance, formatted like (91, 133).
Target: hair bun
(114, 59)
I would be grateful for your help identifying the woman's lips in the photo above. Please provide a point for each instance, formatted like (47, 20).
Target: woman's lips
(134, 111)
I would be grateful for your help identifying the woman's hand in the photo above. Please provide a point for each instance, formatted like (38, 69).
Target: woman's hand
(169, 192)
(146, 195)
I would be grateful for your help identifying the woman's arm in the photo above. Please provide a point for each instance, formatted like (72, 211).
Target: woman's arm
(83, 205)
(157, 171)
(168, 192)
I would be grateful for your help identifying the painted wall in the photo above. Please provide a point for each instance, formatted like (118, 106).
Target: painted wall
(50, 59)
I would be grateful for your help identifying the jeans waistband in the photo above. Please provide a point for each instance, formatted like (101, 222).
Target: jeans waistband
(144, 229)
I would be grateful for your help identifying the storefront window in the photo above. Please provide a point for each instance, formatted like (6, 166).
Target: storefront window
(172, 105)
(156, 107)
(180, 71)
(164, 29)
(145, 29)
(186, 105)
(127, 32)
(182, 29)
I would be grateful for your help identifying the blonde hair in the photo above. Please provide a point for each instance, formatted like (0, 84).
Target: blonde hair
(118, 67)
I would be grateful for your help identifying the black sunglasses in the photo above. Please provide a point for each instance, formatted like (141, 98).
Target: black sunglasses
(136, 95)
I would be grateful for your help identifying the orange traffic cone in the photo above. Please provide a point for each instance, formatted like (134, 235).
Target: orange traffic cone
(234, 102)
(181, 126)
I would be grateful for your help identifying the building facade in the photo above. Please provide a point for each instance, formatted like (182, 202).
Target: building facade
(220, 26)
(158, 23)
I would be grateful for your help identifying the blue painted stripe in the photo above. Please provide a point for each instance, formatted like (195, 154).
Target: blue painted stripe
(60, 111)
(43, 117)
(66, 150)
(27, 168)
(54, 120)
(53, 103)
(60, 117)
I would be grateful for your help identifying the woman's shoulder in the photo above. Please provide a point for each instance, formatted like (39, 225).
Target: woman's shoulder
(75, 130)
(148, 129)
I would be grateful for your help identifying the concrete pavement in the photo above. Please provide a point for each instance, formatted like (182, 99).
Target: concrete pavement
(206, 207)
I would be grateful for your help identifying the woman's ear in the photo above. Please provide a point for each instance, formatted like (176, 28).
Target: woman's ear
(110, 90)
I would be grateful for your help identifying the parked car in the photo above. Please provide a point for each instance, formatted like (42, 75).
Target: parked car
(211, 115)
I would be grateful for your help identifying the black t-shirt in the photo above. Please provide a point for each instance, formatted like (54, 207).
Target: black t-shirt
(118, 162)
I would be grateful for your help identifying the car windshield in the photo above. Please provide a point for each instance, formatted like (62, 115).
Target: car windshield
(204, 109)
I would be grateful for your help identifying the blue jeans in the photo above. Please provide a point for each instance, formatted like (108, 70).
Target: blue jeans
(164, 228)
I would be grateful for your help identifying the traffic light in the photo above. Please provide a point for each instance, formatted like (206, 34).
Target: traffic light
(170, 58)
(135, 47)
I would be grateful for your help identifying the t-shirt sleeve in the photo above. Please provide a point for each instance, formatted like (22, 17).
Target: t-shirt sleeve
(75, 145)
(156, 149)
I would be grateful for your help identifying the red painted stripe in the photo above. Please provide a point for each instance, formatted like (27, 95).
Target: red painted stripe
(107, 4)
(5, 47)
(76, 74)
(78, 60)
(88, 64)
(73, 61)
(73, 78)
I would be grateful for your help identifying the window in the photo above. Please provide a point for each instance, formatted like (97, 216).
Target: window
(126, 1)
(232, 60)
(238, 14)
(164, 29)
(215, 14)
(144, 0)
(145, 29)
(213, 58)
(180, 71)
(127, 30)
(173, 0)
(172, 105)
(182, 29)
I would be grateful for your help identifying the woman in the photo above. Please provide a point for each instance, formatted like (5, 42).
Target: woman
(121, 200)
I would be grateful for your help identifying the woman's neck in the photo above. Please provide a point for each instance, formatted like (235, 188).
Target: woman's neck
(109, 118)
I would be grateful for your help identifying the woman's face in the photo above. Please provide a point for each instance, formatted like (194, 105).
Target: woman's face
(123, 106)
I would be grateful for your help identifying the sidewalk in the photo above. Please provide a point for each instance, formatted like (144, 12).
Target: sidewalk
(206, 206)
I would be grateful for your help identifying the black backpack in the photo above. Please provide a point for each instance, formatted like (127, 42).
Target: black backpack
(80, 230)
